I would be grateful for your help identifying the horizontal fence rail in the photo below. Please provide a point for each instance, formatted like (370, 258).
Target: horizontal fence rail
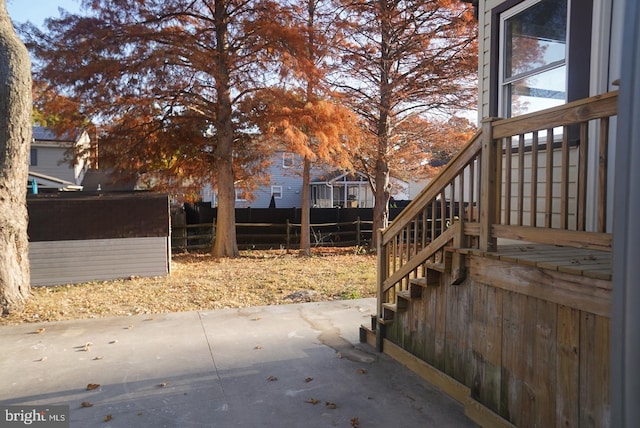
(194, 237)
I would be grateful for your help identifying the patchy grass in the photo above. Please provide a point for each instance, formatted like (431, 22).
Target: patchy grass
(200, 282)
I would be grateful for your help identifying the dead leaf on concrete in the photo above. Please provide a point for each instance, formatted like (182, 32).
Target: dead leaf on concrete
(257, 347)
(272, 378)
(86, 347)
(99, 357)
(40, 330)
(92, 386)
(355, 423)
(41, 359)
(312, 401)
(309, 379)
(107, 418)
(330, 405)
(361, 371)
(86, 404)
(163, 385)
(113, 341)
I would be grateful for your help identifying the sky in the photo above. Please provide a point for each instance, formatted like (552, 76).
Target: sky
(37, 11)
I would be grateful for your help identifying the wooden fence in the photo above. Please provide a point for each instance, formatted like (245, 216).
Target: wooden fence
(194, 237)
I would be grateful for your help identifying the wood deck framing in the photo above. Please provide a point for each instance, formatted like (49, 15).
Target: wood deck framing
(517, 320)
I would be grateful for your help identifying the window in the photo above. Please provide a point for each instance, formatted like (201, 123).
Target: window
(241, 195)
(33, 157)
(276, 192)
(287, 160)
(533, 57)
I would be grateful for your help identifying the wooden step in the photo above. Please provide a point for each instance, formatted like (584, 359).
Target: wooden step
(438, 267)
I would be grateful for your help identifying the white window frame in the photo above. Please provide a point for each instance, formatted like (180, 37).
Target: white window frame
(503, 103)
(276, 192)
(288, 160)
(240, 195)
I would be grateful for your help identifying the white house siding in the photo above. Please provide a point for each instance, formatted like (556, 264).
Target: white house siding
(68, 262)
(49, 163)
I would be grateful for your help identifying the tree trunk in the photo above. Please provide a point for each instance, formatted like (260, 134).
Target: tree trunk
(305, 214)
(226, 243)
(381, 204)
(15, 139)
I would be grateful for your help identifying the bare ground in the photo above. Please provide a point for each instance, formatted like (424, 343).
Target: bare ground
(200, 282)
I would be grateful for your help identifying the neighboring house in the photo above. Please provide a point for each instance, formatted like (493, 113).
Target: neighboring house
(50, 159)
(504, 292)
(328, 188)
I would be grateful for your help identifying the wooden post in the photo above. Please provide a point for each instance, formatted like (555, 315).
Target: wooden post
(489, 203)
(358, 231)
(383, 263)
(458, 269)
(288, 235)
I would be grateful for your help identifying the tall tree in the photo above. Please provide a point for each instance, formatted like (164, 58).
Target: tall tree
(405, 58)
(15, 140)
(163, 79)
(301, 113)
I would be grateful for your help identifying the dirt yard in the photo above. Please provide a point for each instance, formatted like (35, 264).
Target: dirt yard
(198, 281)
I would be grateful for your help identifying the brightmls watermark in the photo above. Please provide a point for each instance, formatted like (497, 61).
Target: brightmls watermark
(34, 416)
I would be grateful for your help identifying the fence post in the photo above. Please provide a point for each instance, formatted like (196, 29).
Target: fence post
(488, 185)
(358, 231)
(213, 233)
(288, 235)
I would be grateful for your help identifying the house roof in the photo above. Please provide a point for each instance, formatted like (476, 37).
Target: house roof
(42, 133)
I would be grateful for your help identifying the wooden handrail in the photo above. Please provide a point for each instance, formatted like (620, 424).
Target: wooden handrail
(435, 187)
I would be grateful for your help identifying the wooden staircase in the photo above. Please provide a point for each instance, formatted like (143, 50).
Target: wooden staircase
(518, 333)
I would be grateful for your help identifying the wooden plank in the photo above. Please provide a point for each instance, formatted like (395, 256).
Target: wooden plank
(589, 294)
(575, 112)
(447, 384)
(520, 179)
(484, 416)
(548, 196)
(568, 238)
(513, 342)
(594, 371)
(533, 199)
(603, 162)
(507, 181)
(489, 179)
(583, 159)
(430, 301)
(568, 367)
(487, 345)
(441, 327)
(543, 372)
(564, 180)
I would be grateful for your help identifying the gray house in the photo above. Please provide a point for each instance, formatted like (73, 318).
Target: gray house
(329, 187)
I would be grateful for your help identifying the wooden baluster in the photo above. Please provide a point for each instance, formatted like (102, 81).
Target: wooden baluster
(548, 209)
(533, 211)
(582, 175)
(603, 161)
(564, 180)
(520, 179)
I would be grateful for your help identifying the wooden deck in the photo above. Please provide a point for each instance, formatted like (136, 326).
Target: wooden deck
(576, 261)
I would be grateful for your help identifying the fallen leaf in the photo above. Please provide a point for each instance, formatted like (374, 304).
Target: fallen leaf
(149, 319)
(93, 386)
(163, 385)
(330, 405)
(355, 423)
(40, 330)
(86, 404)
(309, 379)
(42, 359)
(257, 347)
(99, 357)
(129, 327)
(255, 319)
(107, 418)
(113, 341)
(361, 371)
(339, 355)
(87, 346)
(312, 401)
(272, 378)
